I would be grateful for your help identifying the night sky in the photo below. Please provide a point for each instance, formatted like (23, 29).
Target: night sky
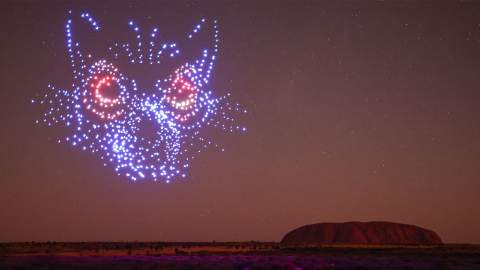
(356, 111)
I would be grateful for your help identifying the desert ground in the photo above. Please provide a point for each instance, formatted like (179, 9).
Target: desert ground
(243, 255)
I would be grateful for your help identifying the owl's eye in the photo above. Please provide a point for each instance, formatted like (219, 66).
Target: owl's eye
(182, 94)
(103, 92)
(106, 91)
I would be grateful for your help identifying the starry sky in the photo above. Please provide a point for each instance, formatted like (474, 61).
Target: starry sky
(358, 111)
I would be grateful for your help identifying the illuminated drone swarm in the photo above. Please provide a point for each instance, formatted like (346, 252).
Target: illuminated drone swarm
(109, 125)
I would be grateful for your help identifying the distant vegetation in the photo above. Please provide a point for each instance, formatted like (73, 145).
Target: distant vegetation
(233, 255)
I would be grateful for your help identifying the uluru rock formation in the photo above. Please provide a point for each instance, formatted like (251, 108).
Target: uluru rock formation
(386, 233)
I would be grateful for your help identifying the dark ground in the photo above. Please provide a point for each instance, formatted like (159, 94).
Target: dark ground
(248, 255)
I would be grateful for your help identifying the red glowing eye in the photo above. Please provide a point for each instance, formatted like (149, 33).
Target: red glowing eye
(182, 94)
(103, 95)
(106, 91)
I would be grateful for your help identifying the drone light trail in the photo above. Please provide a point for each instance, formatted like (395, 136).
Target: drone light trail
(104, 110)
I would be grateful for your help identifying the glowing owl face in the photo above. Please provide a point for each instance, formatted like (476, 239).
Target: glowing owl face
(107, 113)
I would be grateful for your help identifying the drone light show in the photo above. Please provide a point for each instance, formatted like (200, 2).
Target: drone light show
(104, 110)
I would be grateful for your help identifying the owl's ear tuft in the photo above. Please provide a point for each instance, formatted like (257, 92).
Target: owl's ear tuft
(82, 39)
(201, 46)
(206, 32)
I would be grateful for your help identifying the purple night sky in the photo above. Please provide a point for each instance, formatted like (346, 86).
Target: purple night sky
(358, 110)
